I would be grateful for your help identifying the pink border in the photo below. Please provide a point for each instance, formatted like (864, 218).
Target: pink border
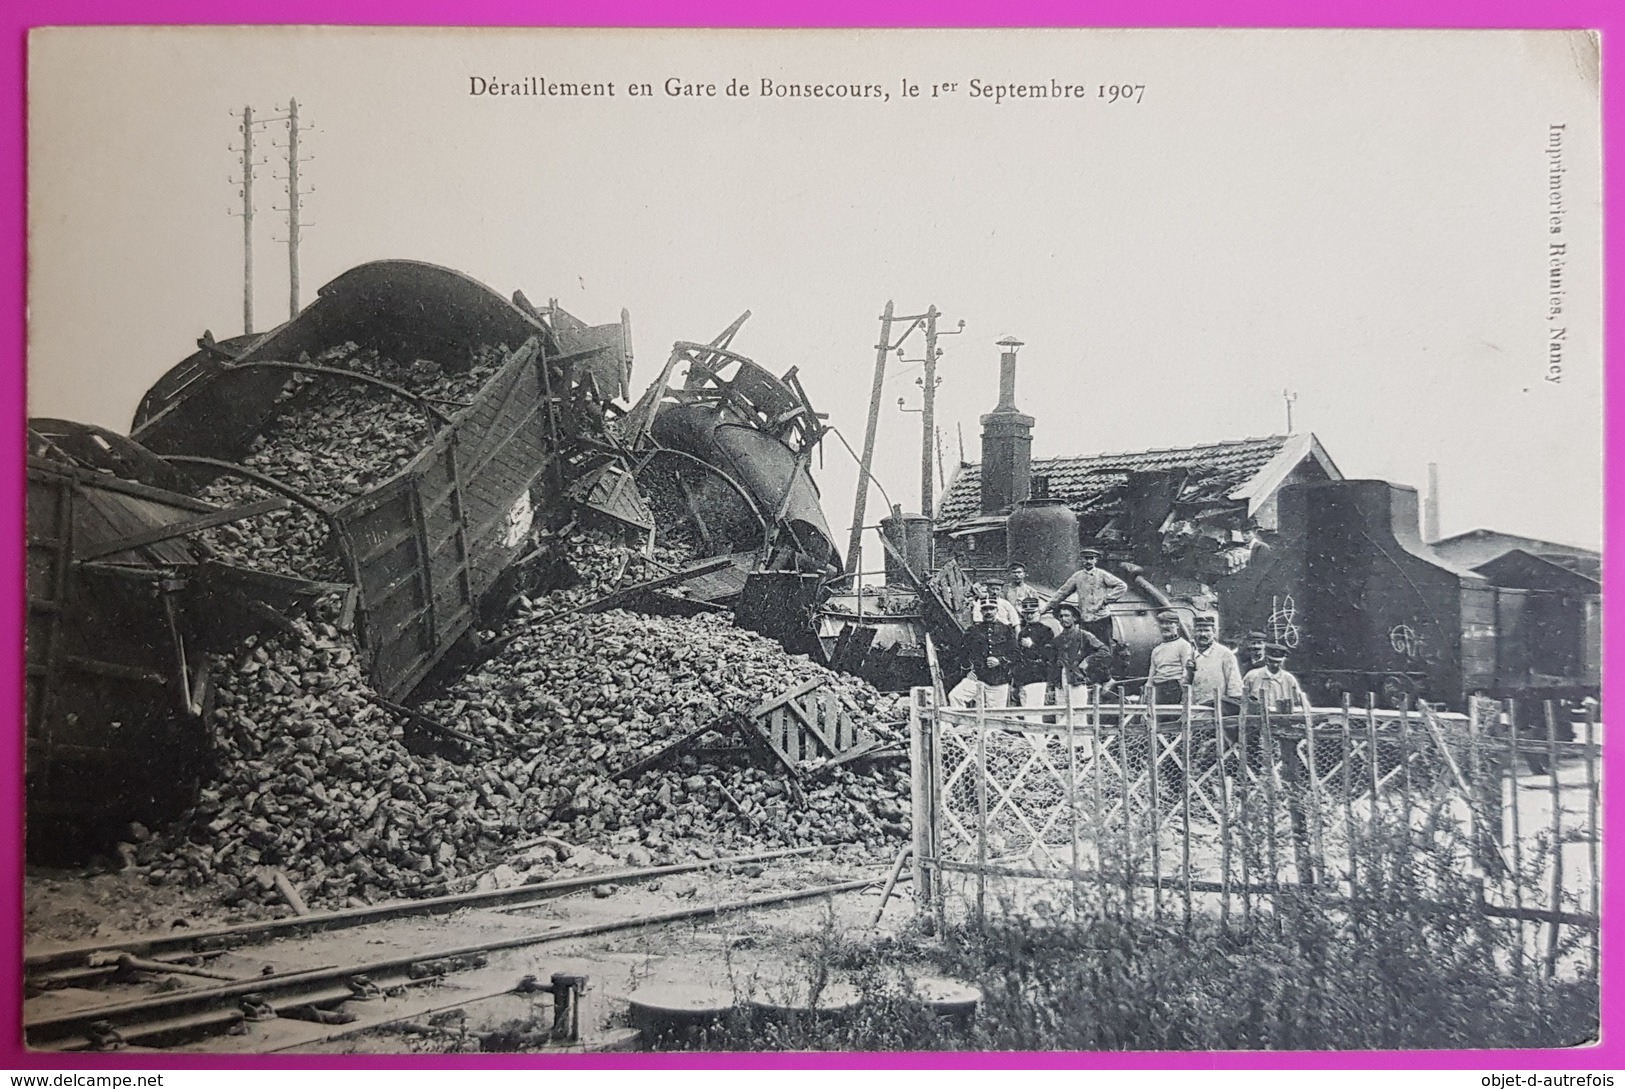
(21, 15)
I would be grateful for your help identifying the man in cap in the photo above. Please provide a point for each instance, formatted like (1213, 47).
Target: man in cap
(1009, 611)
(1173, 663)
(1271, 685)
(1253, 659)
(1216, 676)
(1096, 589)
(1015, 589)
(1078, 658)
(1035, 652)
(990, 651)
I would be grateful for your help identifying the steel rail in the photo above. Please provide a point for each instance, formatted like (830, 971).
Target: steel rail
(152, 945)
(169, 1012)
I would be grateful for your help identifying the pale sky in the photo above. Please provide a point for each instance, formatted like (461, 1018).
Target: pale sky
(1360, 217)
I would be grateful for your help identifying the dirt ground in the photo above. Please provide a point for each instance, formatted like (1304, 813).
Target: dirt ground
(766, 950)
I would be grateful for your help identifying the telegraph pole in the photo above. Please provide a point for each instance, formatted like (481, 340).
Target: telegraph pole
(293, 208)
(248, 219)
(928, 412)
(855, 541)
(928, 408)
(246, 192)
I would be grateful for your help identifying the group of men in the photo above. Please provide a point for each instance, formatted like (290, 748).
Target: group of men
(1016, 659)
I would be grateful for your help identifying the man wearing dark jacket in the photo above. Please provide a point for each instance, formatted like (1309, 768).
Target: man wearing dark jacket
(990, 651)
(1035, 652)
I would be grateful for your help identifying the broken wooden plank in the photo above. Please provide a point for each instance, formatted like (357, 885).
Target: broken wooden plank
(170, 530)
(785, 697)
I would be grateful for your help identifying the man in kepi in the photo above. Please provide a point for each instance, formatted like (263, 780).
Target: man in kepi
(1096, 589)
(1272, 686)
(1173, 663)
(1216, 678)
(1035, 652)
(990, 650)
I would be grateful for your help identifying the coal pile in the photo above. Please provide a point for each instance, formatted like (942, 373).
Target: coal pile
(355, 804)
(332, 440)
(595, 693)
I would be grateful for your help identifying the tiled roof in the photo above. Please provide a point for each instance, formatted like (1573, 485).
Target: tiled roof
(1089, 482)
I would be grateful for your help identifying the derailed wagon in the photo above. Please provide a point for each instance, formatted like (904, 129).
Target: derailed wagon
(123, 609)
(424, 546)
(142, 550)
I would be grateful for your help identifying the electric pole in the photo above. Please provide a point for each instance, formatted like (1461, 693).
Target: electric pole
(928, 408)
(248, 219)
(928, 412)
(293, 208)
(854, 545)
(246, 192)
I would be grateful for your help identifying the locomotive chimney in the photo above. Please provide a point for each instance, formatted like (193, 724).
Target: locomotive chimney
(1007, 441)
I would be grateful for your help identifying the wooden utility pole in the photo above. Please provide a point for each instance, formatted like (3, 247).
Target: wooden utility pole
(248, 219)
(928, 413)
(293, 208)
(854, 547)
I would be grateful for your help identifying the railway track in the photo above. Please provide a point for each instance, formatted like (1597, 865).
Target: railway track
(189, 992)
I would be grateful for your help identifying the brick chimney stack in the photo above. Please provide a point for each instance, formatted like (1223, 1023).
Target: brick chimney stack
(1007, 441)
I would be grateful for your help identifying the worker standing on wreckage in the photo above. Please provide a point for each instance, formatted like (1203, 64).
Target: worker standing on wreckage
(1096, 588)
(990, 652)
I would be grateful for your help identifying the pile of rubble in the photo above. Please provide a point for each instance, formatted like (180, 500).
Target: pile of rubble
(355, 803)
(332, 440)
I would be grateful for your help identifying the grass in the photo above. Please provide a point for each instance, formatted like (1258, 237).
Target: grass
(1105, 985)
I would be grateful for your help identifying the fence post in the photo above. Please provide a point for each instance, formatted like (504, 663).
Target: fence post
(1348, 797)
(1244, 815)
(1224, 818)
(1377, 876)
(1128, 823)
(1514, 744)
(1185, 809)
(1071, 783)
(1317, 849)
(1153, 768)
(981, 805)
(919, 787)
(1591, 758)
(1097, 748)
(1272, 804)
(1556, 904)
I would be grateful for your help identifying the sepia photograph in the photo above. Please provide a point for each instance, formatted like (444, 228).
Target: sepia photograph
(559, 541)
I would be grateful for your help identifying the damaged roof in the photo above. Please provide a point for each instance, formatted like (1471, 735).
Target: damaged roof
(1233, 471)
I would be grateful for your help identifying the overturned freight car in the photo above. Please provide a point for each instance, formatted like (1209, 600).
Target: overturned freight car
(124, 607)
(466, 402)
(376, 461)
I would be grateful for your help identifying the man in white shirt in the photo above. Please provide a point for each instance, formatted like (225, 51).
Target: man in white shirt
(1216, 675)
(1173, 663)
(1272, 686)
(1096, 589)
